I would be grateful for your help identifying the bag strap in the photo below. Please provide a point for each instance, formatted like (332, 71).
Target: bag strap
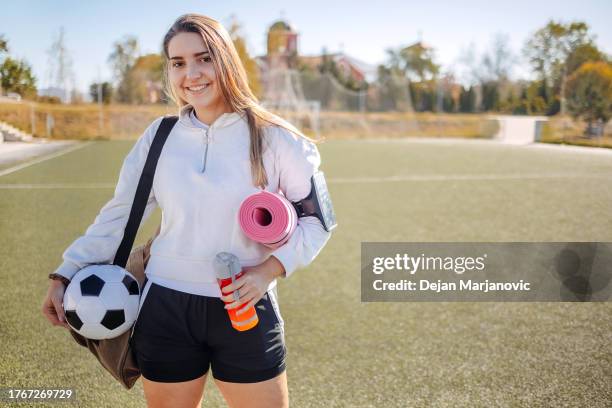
(143, 190)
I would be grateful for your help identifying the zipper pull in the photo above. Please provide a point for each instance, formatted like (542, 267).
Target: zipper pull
(204, 156)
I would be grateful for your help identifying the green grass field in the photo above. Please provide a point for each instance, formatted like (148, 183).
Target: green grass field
(344, 353)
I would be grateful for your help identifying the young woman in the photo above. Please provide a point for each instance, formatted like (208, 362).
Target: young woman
(224, 147)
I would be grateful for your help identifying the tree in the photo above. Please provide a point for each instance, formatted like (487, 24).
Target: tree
(415, 61)
(328, 65)
(416, 64)
(589, 94)
(512, 102)
(146, 79)
(392, 90)
(497, 63)
(534, 97)
(3, 44)
(488, 75)
(548, 51)
(250, 66)
(468, 68)
(106, 92)
(423, 95)
(490, 96)
(3, 50)
(494, 72)
(467, 100)
(122, 59)
(16, 76)
(59, 68)
(582, 54)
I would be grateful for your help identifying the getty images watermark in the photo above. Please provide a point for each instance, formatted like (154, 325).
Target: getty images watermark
(512, 272)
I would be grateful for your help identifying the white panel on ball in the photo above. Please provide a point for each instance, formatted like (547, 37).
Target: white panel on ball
(101, 301)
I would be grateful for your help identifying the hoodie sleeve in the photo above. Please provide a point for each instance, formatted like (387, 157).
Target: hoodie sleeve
(298, 159)
(100, 242)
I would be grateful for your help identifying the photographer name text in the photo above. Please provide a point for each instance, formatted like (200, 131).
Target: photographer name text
(455, 264)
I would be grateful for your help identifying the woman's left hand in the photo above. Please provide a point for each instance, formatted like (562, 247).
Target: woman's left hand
(252, 285)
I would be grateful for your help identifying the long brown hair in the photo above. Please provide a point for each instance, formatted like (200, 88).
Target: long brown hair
(233, 82)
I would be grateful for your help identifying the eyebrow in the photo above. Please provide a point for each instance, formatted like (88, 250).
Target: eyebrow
(198, 54)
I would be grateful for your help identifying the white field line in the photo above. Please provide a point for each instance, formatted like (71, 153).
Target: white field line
(44, 158)
(451, 141)
(57, 186)
(459, 177)
(340, 180)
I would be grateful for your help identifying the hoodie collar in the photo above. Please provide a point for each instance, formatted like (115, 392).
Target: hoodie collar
(224, 120)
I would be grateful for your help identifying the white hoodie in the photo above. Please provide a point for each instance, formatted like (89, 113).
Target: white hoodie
(202, 177)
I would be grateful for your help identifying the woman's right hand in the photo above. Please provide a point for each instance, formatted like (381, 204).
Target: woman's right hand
(52, 305)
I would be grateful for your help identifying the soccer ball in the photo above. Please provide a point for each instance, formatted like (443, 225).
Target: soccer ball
(101, 301)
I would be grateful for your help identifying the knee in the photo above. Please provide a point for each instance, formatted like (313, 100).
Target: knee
(169, 395)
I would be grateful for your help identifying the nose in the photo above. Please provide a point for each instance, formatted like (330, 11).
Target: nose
(193, 71)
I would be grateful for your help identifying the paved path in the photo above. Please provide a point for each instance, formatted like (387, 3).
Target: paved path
(17, 155)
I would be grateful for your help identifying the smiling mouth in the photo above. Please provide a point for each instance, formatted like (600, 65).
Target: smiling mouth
(197, 88)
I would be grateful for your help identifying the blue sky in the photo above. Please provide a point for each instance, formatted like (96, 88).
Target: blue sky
(362, 29)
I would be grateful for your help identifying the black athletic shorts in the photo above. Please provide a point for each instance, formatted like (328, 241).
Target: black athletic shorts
(178, 335)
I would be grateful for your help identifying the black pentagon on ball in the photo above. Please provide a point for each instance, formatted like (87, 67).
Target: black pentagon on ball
(131, 285)
(113, 319)
(73, 319)
(91, 286)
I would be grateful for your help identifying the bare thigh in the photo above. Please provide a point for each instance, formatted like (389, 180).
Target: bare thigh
(272, 393)
(186, 394)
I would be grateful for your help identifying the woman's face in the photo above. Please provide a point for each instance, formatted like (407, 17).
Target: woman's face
(192, 74)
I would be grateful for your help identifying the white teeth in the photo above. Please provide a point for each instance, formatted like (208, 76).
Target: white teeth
(197, 88)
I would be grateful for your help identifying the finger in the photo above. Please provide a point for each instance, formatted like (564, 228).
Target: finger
(54, 320)
(245, 308)
(241, 285)
(48, 311)
(232, 286)
(244, 294)
(234, 304)
(237, 284)
(59, 310)
(231, 297)
(51, 316)
(43, 309)
(242, 291)
(244, 298)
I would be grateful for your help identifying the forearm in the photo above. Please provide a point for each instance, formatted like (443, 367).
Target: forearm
(307, 241)
(274, 268)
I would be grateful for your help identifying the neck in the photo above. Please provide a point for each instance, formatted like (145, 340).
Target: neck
(208, 115)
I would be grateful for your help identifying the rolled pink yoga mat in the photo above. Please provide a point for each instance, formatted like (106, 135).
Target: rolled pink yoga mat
(267, 218)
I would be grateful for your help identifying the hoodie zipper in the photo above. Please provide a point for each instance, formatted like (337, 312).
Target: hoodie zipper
(205, 156)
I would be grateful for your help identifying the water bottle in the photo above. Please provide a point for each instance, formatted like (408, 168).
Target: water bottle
(228, 270)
